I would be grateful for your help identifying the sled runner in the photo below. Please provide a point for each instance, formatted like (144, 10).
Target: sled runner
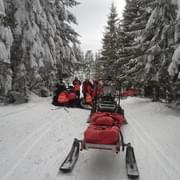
(131, 165)
(86, 103)
(71, 159)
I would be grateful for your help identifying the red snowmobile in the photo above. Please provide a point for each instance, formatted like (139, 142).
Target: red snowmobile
(104, 133)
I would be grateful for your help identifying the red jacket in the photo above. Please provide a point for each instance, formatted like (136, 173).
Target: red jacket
(87, 87)
(77, 84)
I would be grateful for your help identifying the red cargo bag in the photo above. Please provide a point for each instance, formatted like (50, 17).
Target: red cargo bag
(72, 96)
(63, 98)
(106, 118)
(102, 135)
(104, 121)
(96, 115)
(118, 119)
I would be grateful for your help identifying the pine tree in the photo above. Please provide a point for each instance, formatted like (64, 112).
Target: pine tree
(174, 67)
(66, 57)
(42, 47)
(129, 33)
(124, 40)
(135, 65)
(89, 62)
(109, 48)
(159, 33)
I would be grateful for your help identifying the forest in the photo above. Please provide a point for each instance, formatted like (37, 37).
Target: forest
(38, 46)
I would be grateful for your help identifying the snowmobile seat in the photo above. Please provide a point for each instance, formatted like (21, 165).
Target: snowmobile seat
(106, 103)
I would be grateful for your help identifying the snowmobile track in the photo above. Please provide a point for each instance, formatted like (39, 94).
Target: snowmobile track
(37, 135)
(158, 152)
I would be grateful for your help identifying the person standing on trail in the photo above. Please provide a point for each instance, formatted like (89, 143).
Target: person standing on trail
(97, 89)
(87, 88)
(77, 85)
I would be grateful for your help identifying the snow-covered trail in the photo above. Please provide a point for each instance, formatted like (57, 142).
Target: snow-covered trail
(35, 138)
(154, 131)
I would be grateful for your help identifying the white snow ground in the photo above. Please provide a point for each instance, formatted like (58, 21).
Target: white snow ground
(35, 138)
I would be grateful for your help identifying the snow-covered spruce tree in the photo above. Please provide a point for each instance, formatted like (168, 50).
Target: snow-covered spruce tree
(6, 40)
(98, 65)
(88, 63)
(159, 35)
(69, 36)
(174, 67)
(78, 57)
(109, 47)
(131, 51)
(124, 41)
(43, 40)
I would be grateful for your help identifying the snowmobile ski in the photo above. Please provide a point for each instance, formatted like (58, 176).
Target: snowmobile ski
(71, 158)
(60, 107)
(131, 165)
(57, 108)
(85, 106)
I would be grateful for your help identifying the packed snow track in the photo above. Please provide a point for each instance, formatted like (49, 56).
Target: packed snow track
(36, 137)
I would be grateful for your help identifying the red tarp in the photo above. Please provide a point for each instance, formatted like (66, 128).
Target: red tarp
(130, 92)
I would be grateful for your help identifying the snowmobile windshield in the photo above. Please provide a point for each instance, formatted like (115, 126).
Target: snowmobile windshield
(109, 90)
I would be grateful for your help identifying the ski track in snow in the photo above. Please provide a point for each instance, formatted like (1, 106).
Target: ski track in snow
(35, 140)
(18, 111)
(31, 141)
(156, 150)
(24, 149)
(157, 157)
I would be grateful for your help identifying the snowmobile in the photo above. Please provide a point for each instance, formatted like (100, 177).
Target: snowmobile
(66, 97)
(103, 133)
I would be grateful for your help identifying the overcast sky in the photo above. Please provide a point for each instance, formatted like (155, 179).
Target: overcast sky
(92, 19)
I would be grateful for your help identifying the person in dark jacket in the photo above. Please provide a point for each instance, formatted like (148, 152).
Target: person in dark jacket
(77, 85)
(59, 87)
